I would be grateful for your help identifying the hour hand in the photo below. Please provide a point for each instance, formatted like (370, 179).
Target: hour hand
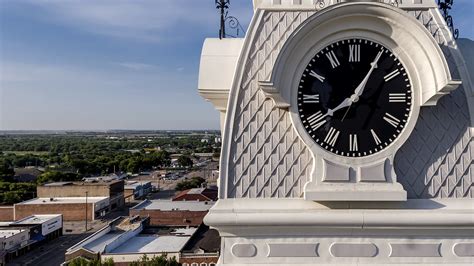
(346, 103)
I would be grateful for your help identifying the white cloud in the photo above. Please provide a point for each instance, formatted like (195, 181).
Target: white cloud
(137, 66)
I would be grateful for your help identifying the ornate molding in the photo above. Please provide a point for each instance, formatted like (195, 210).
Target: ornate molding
(295, 232)
(271, 93)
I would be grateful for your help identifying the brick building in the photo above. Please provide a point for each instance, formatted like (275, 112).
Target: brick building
(6, 213)
(203, 248)
(112, 189)
(172, 213)
(197, 194)
(72, 208)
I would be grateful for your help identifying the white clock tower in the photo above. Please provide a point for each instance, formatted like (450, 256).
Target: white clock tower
(348, 135)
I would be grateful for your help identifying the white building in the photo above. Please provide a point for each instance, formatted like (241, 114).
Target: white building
(16, 238)
(125, 241)
(13, 239)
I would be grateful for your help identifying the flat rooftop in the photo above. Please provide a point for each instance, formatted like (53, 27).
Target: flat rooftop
(99, 182)
(98, 245)
(9, 233)
(156, 244)
(37, 219)
(168, 205)
(63, 200)
(135, 184)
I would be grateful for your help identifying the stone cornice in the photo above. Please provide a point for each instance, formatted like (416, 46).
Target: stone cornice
(413, 214)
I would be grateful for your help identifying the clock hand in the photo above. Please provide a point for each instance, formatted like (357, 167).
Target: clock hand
(360, 89)
(345, 103)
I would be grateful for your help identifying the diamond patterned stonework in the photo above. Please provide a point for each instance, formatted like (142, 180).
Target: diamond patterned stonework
(270, 161)
(437, 159)
(269, 158)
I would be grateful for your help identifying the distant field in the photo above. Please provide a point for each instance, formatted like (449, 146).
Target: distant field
(26, 152)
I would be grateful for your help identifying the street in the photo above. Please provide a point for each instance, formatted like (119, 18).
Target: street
(50, 253)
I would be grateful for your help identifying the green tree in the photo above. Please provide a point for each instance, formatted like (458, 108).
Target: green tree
(162, 260)
(185, 161)
(6, 170)
(11, 197)
(55, 176)
(194, 182)
(79, 261)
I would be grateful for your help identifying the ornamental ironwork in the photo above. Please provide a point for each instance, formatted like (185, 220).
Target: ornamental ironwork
(445, 6)
(229, 21)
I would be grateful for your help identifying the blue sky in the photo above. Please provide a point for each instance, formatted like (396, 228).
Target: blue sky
(114, 64)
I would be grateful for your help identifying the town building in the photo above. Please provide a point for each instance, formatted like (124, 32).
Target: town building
(11, 241)
(197, 194)
(27, 174)
(41, 226)
(6, 213)
(104, 239)
(172, 213)
(134, 190)
(112, 189)
(170, 244)
(17, 238)
(72, 208)
(202, 249)
(111, 177)
(128, 239)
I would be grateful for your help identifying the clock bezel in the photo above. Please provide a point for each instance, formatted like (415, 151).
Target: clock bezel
(316, 149)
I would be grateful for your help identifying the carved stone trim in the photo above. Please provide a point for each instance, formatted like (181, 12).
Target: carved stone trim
(244, 250)
(353, 250)
(270, 92)
(415, 250)
(464, 249)
(293, 249)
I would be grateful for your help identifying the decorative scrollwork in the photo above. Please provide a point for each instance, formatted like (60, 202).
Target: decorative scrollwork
(322, 3)
(394, 3)
(445, 6)
(234, 24)
(231, 21)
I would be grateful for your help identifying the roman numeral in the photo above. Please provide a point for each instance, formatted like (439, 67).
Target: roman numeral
(316, 75)
(391, 119)
(376, 138)
(316, 120)
(332, 136)
(392, 75)
(353, 142)
(354, 52)
(333, 59)
(397, 97)
(311, 98)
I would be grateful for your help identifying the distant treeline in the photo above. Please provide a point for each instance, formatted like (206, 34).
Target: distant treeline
(69, 158)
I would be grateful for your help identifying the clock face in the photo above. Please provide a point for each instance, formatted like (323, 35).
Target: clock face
(354, 97)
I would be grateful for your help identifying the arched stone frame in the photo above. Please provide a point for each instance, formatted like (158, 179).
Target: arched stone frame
(418, 51)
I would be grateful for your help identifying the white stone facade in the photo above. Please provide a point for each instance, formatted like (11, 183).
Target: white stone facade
(266, 166)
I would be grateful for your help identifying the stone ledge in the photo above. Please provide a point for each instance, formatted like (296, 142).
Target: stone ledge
(426, 214)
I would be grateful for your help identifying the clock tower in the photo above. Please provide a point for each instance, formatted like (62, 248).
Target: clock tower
(347, 136)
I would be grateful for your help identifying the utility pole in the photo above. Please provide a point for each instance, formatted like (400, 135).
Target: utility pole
(87, 192)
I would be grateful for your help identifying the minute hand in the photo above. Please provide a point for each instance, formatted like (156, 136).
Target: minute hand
(360, 89)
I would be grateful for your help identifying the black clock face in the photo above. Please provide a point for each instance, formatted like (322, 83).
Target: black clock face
(354, 97)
